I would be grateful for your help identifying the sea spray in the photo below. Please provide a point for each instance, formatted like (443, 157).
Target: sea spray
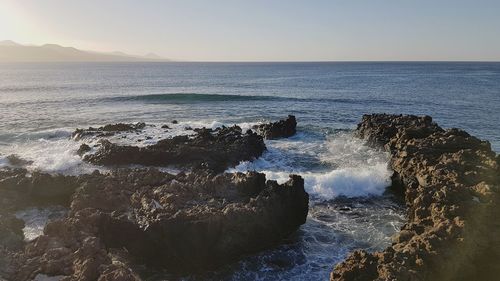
(348, 167)
(35, 219)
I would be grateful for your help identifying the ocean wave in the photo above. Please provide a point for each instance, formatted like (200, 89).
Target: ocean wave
(188, 98)
(348, 167)
(49, 155)
(194, 97)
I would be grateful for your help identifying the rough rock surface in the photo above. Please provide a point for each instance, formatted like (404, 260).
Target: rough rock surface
(215, 150)
(281, 129)
(451, 185)
(107, 130)
(183, 222)
(20, 189)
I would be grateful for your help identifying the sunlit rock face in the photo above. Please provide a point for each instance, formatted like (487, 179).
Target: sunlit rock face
(450, 181)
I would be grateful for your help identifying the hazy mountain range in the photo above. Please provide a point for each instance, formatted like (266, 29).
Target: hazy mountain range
(13, 52)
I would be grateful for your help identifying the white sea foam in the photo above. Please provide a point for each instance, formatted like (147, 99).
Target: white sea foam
(48, 155)
(348, 167)
(53, 151)
(35, 219)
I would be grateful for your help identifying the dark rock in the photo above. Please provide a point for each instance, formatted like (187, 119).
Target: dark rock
(107, 130)
(165, 127)
(15, 160)
(451, 185)
(11, 232)
(219, 218)
(175, 122)
(208, 149)
(186, 222)
(20, 189)
(281, 129)
(84, 148)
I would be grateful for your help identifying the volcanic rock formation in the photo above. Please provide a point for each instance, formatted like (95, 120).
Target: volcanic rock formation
(183, 222)
(107, 130)
(280, 129)
(209, 149)
(451, 183)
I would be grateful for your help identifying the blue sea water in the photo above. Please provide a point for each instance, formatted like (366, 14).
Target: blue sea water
(37, 97)
(41, 104)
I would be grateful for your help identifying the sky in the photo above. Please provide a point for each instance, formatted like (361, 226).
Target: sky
(263, 30)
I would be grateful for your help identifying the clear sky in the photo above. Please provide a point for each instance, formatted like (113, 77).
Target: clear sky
(263, 30)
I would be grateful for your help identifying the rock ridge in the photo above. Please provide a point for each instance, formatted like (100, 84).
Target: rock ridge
(450, 181)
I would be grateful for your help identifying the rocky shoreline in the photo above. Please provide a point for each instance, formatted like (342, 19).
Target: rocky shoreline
(450, 181)
(202, 218)
(196, 220)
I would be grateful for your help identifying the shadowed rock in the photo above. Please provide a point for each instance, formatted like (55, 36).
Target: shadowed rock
(451, 184)
(182, 223)
(107, 130)
(17, 161)
(215, 150)
(20, 189)
(275, 130)
(84, 148)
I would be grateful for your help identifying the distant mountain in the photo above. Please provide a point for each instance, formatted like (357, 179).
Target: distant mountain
(13, 52)
(8, 43)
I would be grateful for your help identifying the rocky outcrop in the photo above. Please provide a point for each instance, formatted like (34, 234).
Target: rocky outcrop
(451, 184)
(281, 129)
(107, 130)
(214, 150)
(11, 232)
(184, 222)
(20, 189)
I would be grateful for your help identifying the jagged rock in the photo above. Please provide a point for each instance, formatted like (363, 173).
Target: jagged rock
(107, 130)
(185, 222)
(84, 148)
(17, 161)
(281, 129)
(451, 184)
(217, 217)
(11, 232)
(208, 149)
(20, 188)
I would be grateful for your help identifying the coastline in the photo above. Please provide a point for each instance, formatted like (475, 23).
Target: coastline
(451, 184)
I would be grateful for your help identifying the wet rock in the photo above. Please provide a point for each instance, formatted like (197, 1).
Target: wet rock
(281, 129)
(175, 122)
(17, 161)
(215, 150)
(450, 183)
(165, 127)
(84, 148)
(107, 130)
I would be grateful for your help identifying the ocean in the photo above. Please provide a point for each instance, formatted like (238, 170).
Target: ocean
(41, 104)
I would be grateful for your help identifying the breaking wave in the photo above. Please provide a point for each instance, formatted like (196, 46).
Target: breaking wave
(348, 168)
